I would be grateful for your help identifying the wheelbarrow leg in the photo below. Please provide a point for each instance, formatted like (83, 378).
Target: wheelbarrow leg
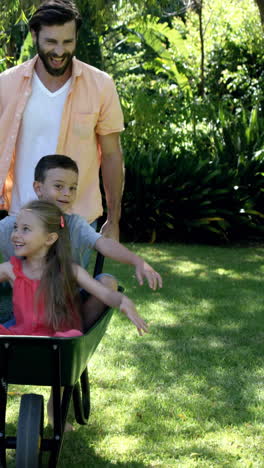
(3, 403)
(60, 409)
(81, 398)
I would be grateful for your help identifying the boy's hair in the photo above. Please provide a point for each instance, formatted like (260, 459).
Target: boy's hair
(53, 161)
(55, 12)
(57, 285)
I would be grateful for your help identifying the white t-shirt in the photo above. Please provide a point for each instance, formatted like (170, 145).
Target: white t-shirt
(38, 136)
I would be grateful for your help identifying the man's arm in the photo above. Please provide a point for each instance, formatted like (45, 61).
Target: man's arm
(112, 168)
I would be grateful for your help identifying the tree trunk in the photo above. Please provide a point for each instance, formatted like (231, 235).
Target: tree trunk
(198, 7)
(10, 51)
(260, 4)
(200, 12)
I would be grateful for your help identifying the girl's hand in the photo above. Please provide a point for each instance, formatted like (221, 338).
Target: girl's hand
(128, 308)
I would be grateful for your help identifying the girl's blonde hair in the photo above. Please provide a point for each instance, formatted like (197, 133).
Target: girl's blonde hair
(58, 286)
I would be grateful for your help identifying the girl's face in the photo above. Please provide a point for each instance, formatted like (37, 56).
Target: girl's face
(29, 236)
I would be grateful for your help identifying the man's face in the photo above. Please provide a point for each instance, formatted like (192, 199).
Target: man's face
(56, 46)
(59, 187)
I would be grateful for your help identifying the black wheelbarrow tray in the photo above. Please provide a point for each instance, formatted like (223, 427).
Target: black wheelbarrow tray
(54, 362)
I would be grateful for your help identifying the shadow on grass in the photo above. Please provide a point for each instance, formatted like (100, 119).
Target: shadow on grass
(212, 351)
(204, 356)
(201, 455)
(76, 449)
(200, 368)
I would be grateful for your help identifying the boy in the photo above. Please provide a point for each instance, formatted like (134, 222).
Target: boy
(56, 180)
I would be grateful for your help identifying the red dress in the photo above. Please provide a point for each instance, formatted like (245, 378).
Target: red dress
(30, 321)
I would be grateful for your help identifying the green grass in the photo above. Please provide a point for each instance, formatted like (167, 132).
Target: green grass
(191, 392)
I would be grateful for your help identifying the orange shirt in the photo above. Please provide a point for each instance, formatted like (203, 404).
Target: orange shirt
(92, 108)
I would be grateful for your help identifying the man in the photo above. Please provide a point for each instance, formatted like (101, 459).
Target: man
(55, 103)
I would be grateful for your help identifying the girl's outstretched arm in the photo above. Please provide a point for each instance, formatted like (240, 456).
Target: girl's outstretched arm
(110, 297)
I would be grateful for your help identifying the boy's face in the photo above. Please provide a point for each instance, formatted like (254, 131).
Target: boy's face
(59, 187)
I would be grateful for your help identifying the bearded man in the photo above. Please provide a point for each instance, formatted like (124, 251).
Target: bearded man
(56, 104)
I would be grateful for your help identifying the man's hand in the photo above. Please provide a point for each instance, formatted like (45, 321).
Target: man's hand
(110, 230)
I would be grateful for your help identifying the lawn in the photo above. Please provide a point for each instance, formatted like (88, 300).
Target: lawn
(191, 392)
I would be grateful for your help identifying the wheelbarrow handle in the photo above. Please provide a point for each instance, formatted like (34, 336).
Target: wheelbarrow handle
(99, 263)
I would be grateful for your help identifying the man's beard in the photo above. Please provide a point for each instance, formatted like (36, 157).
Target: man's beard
(45, 60)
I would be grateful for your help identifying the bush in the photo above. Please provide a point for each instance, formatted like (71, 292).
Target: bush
(201, 182)
(192, 200)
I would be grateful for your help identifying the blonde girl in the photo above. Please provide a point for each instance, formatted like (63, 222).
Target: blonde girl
(45, 281)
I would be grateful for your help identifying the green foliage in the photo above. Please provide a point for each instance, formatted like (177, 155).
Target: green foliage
(13, 29)
(28, 49)
(194, 165)
(235, 70)
(201, 181)
(189, 199)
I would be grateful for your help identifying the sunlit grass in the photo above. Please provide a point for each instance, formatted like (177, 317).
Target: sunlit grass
(191, 392)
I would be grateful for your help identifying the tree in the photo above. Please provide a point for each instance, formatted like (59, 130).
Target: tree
(198, 8)
(260, 5)
(13, 19)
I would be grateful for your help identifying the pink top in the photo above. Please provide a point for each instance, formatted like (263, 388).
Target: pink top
(28, 320)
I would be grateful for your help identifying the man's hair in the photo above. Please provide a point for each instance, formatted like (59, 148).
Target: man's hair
(55, 12)
(53, 161)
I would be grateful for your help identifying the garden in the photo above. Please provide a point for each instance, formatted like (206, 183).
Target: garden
(190, 77)
(189, 393)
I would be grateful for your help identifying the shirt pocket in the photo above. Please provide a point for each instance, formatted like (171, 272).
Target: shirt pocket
(84, 124)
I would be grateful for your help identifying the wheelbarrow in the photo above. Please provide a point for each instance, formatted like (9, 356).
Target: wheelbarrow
(53, 362)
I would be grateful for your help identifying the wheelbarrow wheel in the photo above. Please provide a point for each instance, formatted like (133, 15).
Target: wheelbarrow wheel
(29, 431)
